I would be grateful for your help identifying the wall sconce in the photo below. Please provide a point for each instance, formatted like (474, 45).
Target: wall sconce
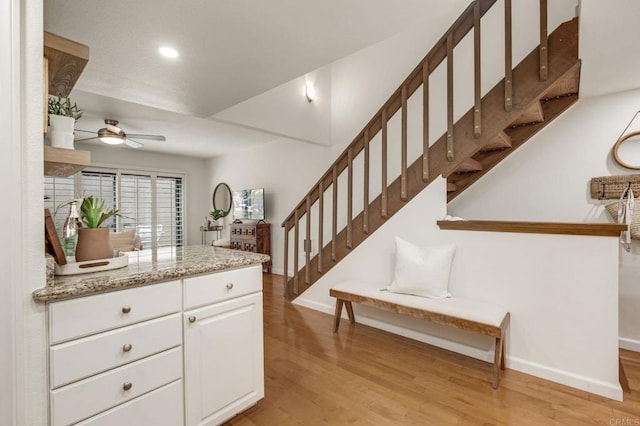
(310, 91)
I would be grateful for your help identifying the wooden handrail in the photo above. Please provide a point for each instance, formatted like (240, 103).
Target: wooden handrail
(458, 30)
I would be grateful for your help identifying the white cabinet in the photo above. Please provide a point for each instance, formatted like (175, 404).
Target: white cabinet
(110, 352)
(223, 350)
(120, 357)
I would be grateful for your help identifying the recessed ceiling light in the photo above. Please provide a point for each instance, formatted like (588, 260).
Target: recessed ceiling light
(168, 52)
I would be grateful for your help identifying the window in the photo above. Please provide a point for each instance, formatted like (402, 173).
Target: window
(151, 203)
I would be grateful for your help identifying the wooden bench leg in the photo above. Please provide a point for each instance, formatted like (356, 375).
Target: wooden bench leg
(498, 359)
(336, 318)
(503, 354)
(496, 363)
(352, 318)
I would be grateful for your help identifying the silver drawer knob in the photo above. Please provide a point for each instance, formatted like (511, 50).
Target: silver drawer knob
(192, 318)
(126, 309)
(127, 347)
(229, 286)
(127, 385)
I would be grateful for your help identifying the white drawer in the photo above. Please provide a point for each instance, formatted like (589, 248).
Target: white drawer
(85, 357)
(79, 317)
(218, 286)
(91, 396)
(162, 407)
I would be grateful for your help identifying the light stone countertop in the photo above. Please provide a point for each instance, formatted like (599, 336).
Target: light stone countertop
(147, 267)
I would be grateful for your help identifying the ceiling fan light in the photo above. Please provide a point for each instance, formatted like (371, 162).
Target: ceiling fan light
(112, 139)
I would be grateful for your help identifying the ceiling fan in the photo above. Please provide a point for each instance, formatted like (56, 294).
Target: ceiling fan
(113, 135)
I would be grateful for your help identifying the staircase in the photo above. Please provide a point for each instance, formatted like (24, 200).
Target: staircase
(531, 95)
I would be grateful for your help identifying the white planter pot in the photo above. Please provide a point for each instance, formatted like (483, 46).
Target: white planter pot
(61, 131)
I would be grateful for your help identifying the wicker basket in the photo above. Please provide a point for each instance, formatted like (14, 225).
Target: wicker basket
(612, 187)
(612, 209)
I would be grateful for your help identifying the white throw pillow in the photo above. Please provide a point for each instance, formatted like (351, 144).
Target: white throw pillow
(422, 271)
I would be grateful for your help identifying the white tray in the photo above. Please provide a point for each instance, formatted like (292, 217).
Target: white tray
(73, 268)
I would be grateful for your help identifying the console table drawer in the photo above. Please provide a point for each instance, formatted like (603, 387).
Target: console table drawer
(85, 357)
(83, 316)
(91, 396)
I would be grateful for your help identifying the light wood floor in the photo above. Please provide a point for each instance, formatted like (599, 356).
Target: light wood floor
(364, 376)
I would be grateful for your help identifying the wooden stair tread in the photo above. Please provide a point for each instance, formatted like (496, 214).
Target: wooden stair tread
(533, 114)
(518, 135)
(469, 166)
(451, 187)
(567, 85)
(499, 141)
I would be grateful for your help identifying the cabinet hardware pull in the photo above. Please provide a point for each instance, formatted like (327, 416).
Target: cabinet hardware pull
(229, 286)
(126, 309)
(127, 385)
(127, 347)
(192, 318)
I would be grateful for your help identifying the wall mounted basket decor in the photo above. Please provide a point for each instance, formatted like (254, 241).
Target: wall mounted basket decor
(612, 187)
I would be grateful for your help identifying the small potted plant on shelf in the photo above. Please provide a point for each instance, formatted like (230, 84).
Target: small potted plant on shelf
(93, 241)
(62, 118)
(215, 215)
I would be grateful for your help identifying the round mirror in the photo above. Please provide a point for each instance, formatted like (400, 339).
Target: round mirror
(627, 151)
(222, 198)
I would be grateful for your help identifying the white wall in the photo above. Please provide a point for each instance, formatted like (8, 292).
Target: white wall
(561, 292)
(10, 300)
(609, 35)
(25, 393)
(284, 168)
(284, 110)
(547, 180)
(198, 190)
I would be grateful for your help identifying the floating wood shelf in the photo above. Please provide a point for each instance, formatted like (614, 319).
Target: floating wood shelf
(66, 60)
(60, 162)
(595, 229)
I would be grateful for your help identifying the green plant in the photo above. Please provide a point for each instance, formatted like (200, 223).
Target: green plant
(93, 212)
(63, 106)
(216, 214)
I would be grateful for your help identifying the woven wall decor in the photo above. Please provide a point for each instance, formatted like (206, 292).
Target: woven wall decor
(612, 187)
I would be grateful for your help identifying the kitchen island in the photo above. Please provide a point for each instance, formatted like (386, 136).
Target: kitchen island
(147, 267)
(173, 338)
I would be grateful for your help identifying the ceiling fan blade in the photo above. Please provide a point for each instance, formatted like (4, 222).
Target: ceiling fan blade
(85, 139)
(148, 137)
(132, 143)
(113, 129)
(84, 131)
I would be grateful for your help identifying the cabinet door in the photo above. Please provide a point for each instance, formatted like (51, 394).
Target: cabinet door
(224, 371)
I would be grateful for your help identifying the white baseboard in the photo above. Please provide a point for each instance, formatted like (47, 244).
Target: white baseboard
(629, 344)
(587, 384)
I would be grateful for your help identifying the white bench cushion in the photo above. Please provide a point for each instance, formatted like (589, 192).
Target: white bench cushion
(468, 309)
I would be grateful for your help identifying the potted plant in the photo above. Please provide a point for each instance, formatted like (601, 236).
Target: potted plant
(62, 117)
(93, 241)
(215, 215)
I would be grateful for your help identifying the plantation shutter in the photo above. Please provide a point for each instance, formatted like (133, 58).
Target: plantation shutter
(136, 206)
(151, 203)
(101, 185)
(57, 191)
(169, 210)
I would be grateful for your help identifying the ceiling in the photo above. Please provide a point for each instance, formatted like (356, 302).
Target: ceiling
(230, 51)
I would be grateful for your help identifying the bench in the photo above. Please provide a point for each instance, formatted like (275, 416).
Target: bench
(471, 315)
